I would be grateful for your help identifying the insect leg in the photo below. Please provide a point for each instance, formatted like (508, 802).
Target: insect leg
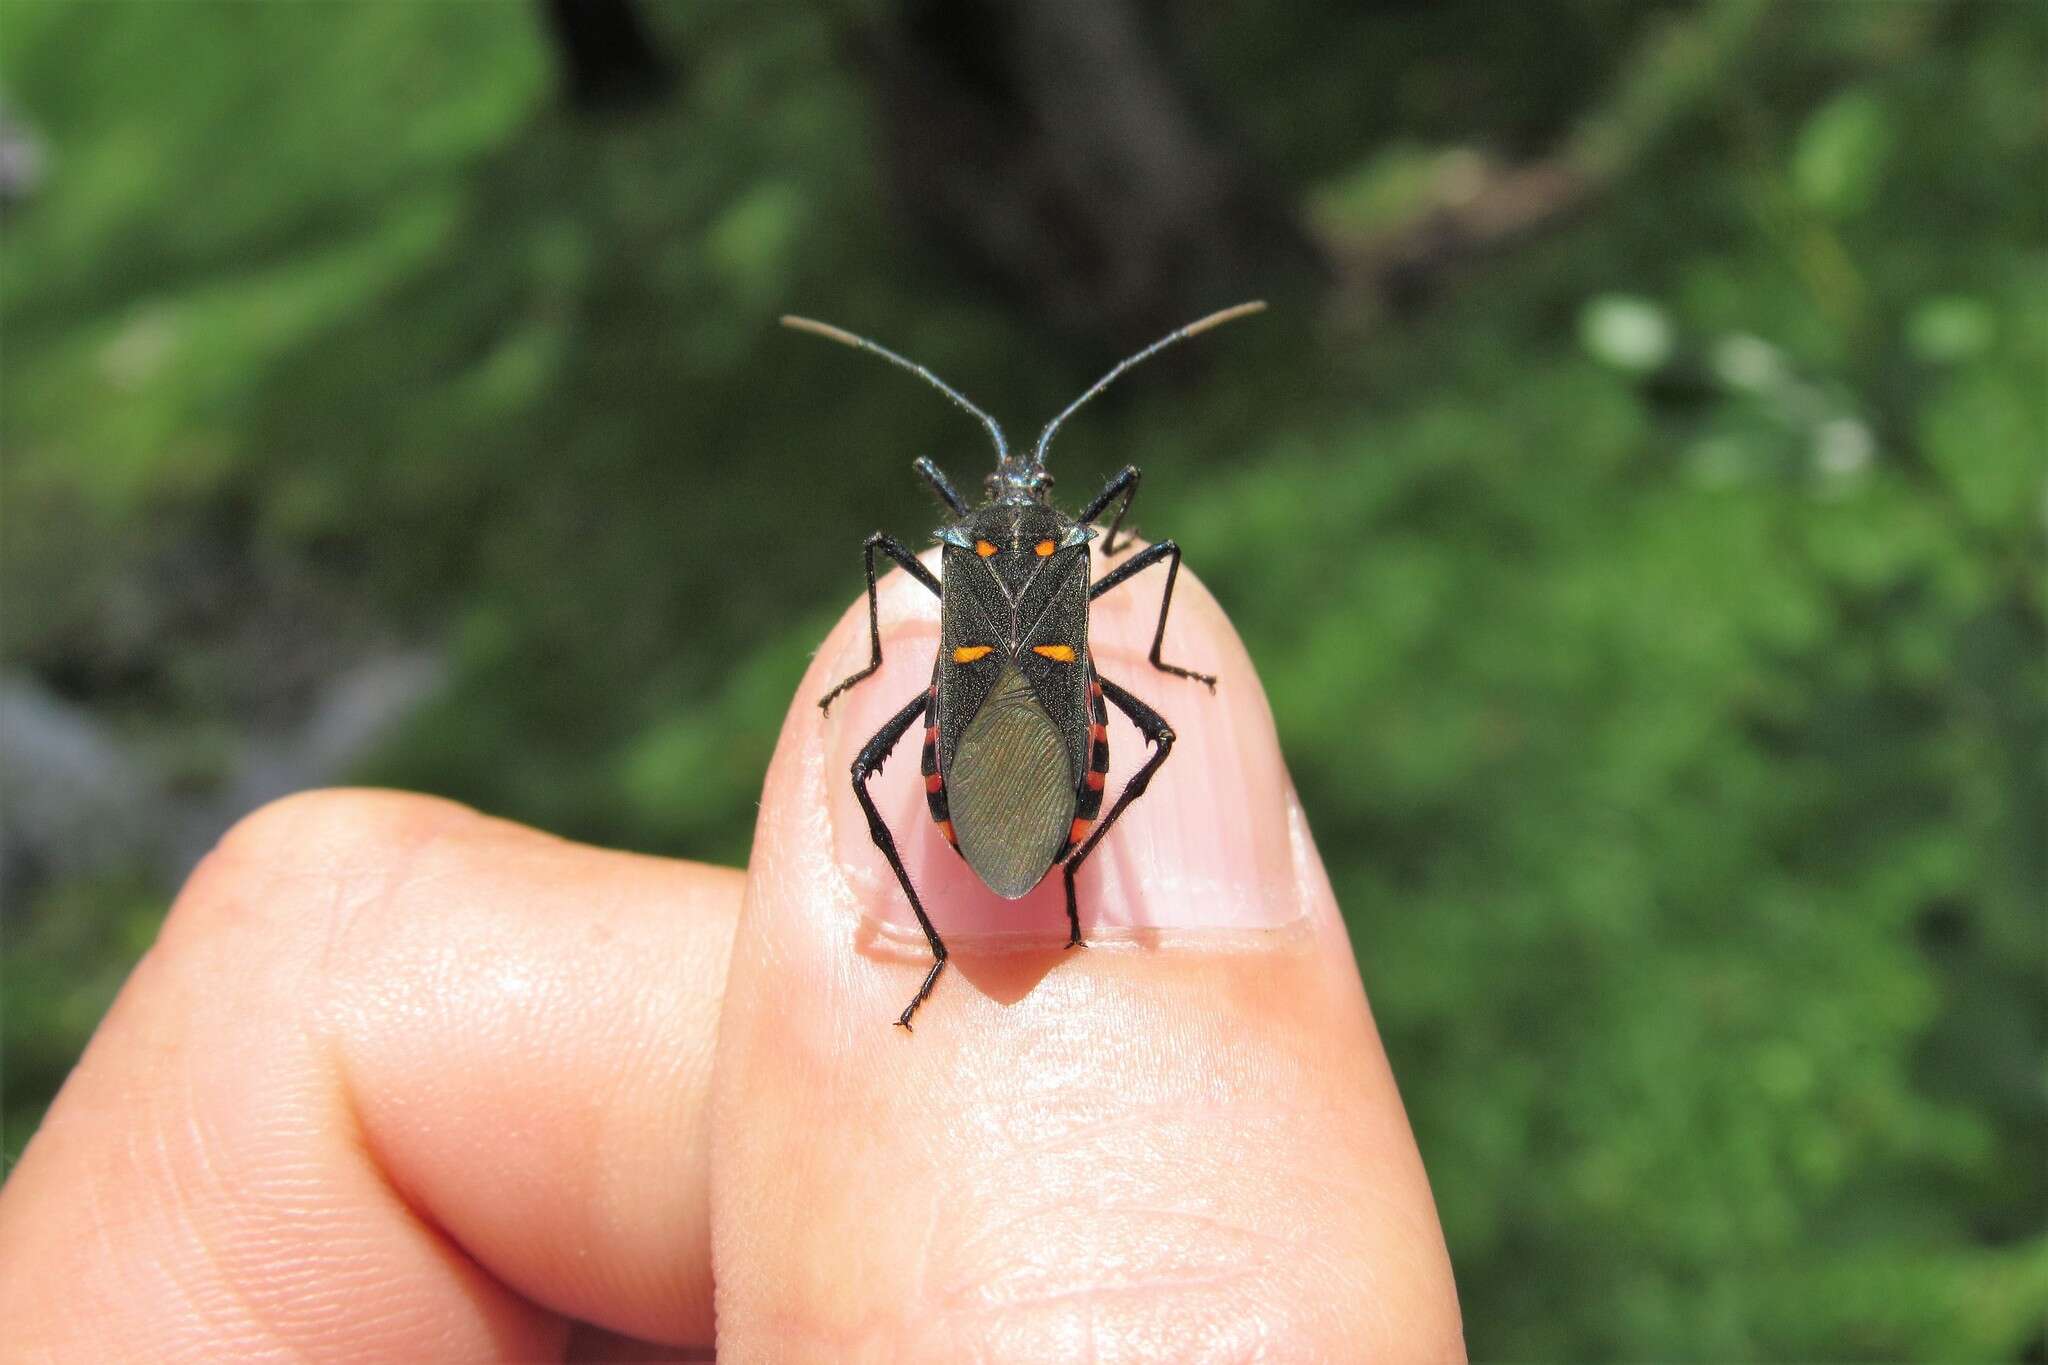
(893, 548)
(869, 762)
(1138, 563)
(1159, 735)
(941, 485)
(1126, 483)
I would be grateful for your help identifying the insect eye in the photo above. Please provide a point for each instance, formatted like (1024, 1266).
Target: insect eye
(983, 548)
(1044, 548)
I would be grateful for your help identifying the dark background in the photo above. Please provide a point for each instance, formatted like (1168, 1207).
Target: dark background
(1634, 502)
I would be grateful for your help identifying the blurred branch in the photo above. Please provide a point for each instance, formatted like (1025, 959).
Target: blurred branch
(1053, 148)
(608, 60)
(1477, 207)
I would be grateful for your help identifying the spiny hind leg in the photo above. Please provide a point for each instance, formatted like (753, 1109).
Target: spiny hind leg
(1159, 735)
(869, 762)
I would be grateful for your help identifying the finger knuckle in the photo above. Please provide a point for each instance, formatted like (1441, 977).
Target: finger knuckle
(310, 854)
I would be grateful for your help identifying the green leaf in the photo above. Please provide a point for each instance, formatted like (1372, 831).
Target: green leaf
(1840, 156)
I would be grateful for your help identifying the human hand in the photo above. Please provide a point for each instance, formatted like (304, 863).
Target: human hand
(401, 1082)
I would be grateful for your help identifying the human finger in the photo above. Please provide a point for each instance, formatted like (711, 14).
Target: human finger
(1183, 1142)
(396, 1082)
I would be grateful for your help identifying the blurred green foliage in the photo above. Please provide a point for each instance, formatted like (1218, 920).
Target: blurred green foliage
(1654, 621)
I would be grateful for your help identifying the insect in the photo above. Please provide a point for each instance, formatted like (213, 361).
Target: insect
(1016, 743)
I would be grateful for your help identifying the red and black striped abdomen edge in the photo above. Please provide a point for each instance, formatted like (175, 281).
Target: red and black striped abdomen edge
(1088, 796)
(1088, 803)
(934, 781)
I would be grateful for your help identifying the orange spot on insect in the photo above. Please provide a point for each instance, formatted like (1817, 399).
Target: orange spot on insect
(937, 782)
(1095, 781)
(1044, 548)
(1079, 831)
(946, 828)
(983, 548)
(1063, 654)
(967, 654)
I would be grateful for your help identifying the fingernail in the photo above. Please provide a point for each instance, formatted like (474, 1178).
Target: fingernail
(1207, 847)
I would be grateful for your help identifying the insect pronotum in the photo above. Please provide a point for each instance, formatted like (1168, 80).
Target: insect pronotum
(1016, 744)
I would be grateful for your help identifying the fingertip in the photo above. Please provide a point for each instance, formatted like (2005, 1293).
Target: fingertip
(1189, 1134)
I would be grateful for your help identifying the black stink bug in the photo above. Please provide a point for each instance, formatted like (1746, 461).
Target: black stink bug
(1016, 744)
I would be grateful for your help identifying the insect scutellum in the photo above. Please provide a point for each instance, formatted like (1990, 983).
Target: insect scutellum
(1016, 744)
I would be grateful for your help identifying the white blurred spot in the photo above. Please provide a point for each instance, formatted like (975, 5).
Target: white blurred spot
(1843, 448)
(1748, 363)
(1626, 332)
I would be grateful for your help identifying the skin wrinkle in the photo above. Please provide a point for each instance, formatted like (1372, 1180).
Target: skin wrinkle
(1129, 1130)
(260, 1312)
(1018, 1277)
(921, 1261)
(360, 1137)
(1096, 1292)
(190, 1294)
(638, 1063)
(1138, 1195)
(1192, 1325)
(413, 1204)
(190, 1202)
(1053, 1095)
(1112, 1132)
(1212, 1221)
(180, 1202)
(101, 1222)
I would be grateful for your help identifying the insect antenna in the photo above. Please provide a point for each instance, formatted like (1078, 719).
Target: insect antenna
(846, 338)
(1195, 328)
